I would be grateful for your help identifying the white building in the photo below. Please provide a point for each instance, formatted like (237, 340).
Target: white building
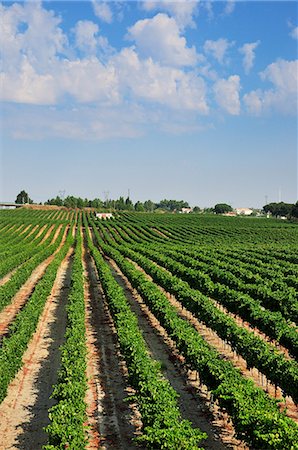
(104, 215)
(244, 211)
(186, 210)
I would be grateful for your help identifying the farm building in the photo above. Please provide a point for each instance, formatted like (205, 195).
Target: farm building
(104, 215)
(244, 211)
(9, 205)
(186, 210)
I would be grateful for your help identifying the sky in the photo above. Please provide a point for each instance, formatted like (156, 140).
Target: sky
(178, 100)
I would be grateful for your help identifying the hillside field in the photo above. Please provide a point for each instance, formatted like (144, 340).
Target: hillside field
(160, 331)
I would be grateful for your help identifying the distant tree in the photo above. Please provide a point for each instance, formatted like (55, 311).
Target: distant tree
(70, 201)
(87, 203)
(173, 205)
(149, 206)
(221, 208)
(196, 209)
(120, 204)
(97, 203)
(129, 205)
(23, 197)
(55, 201)
(139, 207)
(279, 209)
(294, 211)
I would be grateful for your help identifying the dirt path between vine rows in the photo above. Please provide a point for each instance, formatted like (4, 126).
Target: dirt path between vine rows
(24, 411)
(8, 314)
(160, 233)
(113, 423)
(255, 330)
(26, 229)
(226, 352)
(194, 401)
(31, 231)
(8, 276)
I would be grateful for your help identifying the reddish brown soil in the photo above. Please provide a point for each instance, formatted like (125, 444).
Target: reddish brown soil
(242, 323)
(56, 234)
(113, 422)
(194, 400)
(160, 233)
(32, 231)
(5, 279)
(10, 311)
(40, 231)
(43, 207)
(25, 229)
(227, 353)
(24, 411)
(8, 276)
(46, 235)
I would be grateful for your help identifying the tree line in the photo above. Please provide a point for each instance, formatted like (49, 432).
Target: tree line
(120, 204)
(282, 209)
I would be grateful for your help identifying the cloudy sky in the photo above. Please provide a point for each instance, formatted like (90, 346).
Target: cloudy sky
(185, 100)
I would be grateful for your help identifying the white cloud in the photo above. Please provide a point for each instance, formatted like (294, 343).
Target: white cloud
(183, 11)
(28, 86)
(89, 81)
(226, 93)
(70, 78)
(248, 50)
(282, 97)
(168, 86)
(218, 48)
(85, 35)
(103, 11)
(159, 38)
(40, 41)
(283, 74)
(294, 33)
(229, 7)
(123, 75)
(83, 123)
(254, 101)
(100, 95)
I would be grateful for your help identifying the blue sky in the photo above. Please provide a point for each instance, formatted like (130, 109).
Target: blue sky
(185, 100)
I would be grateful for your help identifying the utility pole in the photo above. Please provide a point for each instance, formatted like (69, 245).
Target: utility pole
(106, 196)
(62, 194)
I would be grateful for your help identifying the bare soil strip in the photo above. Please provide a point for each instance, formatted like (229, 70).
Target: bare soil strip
(113, 422)
(94, 390)
(40, 231)
(244, 324)
(8, 314)
(46, 235)
(160, 233)
(56, 234)
(25, 229)
(24, 411)
(6, 278)
(226, 352)
(32, 231)
(194, 401)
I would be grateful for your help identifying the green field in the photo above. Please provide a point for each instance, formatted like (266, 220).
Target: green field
(235, 277)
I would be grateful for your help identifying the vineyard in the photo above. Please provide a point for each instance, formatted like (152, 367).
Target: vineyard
(158, 331)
